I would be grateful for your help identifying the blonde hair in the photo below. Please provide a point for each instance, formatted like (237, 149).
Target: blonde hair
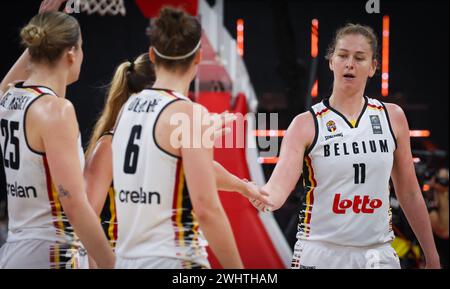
(48, 34)
(129, 78)
(355, 29)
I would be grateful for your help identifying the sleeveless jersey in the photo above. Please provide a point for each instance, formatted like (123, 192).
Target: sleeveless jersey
(108, 216)
(346, 175)
(154, 210)
(34, 209)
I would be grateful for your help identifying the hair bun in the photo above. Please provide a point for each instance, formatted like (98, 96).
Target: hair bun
(32, 35)
(172, 20)
(174, 13)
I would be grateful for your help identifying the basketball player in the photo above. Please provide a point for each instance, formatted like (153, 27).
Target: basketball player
(43, 160)
(129, 78)
(349, 146)
(165, 188)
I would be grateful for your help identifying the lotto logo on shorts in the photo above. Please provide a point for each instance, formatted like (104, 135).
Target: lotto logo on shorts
(359, 205)
(331, 126)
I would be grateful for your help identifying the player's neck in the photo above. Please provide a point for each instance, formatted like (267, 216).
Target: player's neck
(50, 78)
(349, 105)
(173, 81)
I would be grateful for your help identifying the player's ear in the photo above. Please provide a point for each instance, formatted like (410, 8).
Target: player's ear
(330, 63)
(198, 56)
(71, 55)
(151, 54)
(373, 68)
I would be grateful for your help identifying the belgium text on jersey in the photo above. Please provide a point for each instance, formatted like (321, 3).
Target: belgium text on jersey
(338, 149)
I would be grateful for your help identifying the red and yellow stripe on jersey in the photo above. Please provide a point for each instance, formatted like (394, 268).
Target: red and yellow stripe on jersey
(374, 107)
(309, 184)
(62, 255)
(108, 217)
(33, 89)
(183, 219)
(323, 112)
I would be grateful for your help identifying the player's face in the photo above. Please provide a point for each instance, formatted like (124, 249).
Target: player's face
(352, 62)
(77, 59)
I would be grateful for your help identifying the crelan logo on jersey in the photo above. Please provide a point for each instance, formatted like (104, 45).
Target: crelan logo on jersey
(20, 191)
(331, 126)
(140, 197)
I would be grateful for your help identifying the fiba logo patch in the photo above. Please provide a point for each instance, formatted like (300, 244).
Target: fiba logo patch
(331, 126)
(376, 125)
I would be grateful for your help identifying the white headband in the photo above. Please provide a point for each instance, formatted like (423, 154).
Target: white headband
(177, 57)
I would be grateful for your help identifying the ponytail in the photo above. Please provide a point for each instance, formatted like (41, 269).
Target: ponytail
(129, 78)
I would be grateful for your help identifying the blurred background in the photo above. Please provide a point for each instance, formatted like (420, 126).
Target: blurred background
(268, 57)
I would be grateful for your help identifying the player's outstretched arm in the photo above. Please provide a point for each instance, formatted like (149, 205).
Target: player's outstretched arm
(228, 182)
(197, 165)
(50, 5)
(288, 169)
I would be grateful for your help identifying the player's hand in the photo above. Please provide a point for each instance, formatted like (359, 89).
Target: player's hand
(50, 5)
(260, 206)
(251, 191)
(261, 203)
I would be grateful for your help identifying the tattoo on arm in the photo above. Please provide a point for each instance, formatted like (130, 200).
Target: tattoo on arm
(63, 192)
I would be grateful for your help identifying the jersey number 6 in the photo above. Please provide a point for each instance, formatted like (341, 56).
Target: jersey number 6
(132, 152)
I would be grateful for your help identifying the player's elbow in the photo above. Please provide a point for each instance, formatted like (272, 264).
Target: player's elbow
(72, 205)
(205, 211)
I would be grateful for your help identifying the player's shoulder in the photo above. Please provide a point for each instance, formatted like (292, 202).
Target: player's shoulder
(105, 139)
(187, 107)
(395, 112)
(103, 147)
(393, 108)
(54, 106)
(303, 120)
(53, 113)
(302, 129)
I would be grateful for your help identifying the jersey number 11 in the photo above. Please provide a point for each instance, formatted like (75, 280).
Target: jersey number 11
(360, 173)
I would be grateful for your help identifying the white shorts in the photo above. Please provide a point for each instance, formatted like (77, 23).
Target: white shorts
(158, 263)
(322, 255)
(40, 254)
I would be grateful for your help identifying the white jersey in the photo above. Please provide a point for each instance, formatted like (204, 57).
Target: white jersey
(346, 175)
(34, 209)
(154, 211)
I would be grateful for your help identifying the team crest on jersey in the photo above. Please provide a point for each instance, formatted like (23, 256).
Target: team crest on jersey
(331, 126)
